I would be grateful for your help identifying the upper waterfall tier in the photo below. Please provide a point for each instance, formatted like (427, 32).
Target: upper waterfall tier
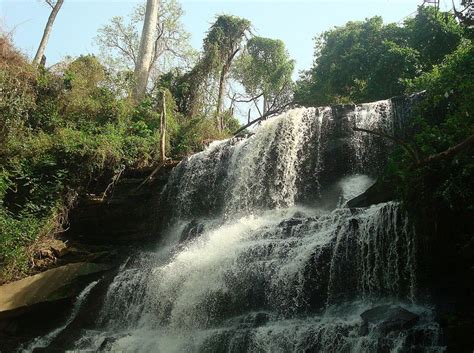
(293, 158)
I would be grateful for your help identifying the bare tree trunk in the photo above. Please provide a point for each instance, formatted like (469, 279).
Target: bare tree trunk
(163, 130)
(222, 82)
(220, 99)
(145, 54)
(47, 32)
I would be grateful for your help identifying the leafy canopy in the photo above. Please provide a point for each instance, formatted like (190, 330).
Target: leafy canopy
(265, 69)
(368, 61)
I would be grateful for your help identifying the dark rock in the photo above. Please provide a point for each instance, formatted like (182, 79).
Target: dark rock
(381, 191)
(256, 319)
(288, 223)
(387, 318)
(128, 213)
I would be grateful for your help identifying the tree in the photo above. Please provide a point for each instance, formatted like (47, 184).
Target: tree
(433, 34)
(55, 6)
(221, 45)
(367, 61)
(265, 71)
(119, 42)
(145, 53)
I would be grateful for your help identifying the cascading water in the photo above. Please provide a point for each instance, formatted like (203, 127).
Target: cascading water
(262, 255)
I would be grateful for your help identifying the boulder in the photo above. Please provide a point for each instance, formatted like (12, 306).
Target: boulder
(387, 318)
(56, 284)
(381, 191)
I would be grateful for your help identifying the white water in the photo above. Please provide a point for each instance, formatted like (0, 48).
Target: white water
(272, 262)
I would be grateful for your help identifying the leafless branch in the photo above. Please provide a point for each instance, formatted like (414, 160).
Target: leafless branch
(268, 114)
(413, 154)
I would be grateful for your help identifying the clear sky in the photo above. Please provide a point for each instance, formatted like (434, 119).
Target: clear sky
(294, 22)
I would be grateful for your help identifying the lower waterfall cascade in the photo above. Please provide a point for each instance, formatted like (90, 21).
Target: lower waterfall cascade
(261, 253)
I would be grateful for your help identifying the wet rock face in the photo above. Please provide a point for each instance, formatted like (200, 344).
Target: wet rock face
(387, 318)
(129, 213)
(191, 231)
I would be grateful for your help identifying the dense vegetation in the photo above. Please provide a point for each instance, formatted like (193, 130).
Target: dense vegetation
(66, 128)
(367, 61)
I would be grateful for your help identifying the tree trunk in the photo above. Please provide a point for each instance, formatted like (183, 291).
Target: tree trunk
(163, 130)
(145, 54)
(47, 32)
(220, 99)
(265, 104)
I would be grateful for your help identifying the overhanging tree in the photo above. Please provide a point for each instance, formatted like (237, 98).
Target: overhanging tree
(368, 60)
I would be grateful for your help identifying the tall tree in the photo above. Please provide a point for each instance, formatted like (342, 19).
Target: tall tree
(119, 41)
(145, 54)
(265, 71)
(221, 45)
(55, 7)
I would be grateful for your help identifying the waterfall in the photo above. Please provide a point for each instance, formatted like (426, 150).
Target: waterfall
(261, 255)
(288, 160)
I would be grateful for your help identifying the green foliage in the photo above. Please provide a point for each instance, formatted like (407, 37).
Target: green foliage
(63, 132)
(17, 81)
(368, 61)
(223, 39)
(432, 34)
(266, 69)
(194, 135)
(445, 119)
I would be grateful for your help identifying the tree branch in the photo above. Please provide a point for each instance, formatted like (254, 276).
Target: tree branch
(449, 153)
(403, 144)
(263, 117)
(250, 100)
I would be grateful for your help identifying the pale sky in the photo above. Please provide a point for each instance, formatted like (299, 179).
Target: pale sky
(294, 22)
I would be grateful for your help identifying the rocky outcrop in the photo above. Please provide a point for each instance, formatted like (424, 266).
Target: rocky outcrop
(128, 213)
(380, 191)
(37, 304)
(58, 283)
(387, 318)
